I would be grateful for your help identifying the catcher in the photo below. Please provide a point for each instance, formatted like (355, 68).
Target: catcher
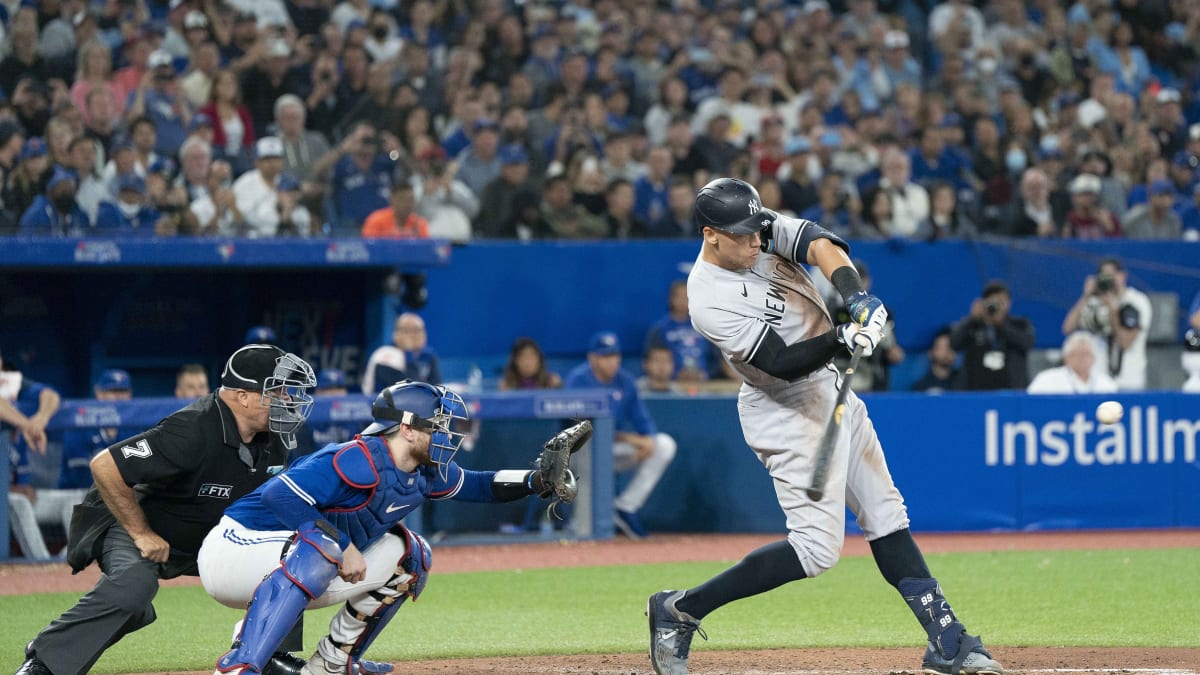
(336, 515)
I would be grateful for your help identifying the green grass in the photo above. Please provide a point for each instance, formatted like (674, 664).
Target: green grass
(1054, 598)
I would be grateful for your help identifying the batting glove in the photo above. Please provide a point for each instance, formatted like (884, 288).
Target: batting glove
(853, 335)
(866, 309)
(766, 238)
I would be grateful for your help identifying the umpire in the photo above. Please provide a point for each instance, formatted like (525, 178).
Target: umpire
(157, 494)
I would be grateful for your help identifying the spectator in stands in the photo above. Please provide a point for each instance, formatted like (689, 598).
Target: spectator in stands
(1032, 214)
(362, 179)
(331, 383)
(204, 65)
(143, 135)
(91, 190)
(526, 368)
(130, 214)
(1077, 374)
(946, 220)
(1189, 216)
(622, 223)
(268, 79)
(638, 444)
(295, 220)
(255, 193)
(680, 198)
(1088, 219)
(1182, 171)
(651, 194)
(658, 372)
(442, 199)
(565, 216)
(941, 375)
(158, 98)
(509, 203)
(696, 359)
(995, 345)
(1156, 219)
(95, 72)
(170, 199)
(12, 141)
(714, 146)
(398, 220)
(55, 213)
(1191, 358)
(191, 381)
(29, 178)
(306, 153)
(409, 356)
(689, 161)
(1118, 318)
(23, 59)
(835, 210)
(479, 164)
(20, 393)
(878, 216)
(910, 202)
(233, 129)
(1112, 192)
(617, 158)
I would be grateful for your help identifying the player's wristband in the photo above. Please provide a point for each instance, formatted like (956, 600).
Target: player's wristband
(846, 280)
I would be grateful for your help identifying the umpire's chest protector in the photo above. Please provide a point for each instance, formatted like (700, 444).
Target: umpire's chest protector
(387, 494)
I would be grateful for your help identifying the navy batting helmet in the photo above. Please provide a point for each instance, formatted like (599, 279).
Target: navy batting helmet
(732, 206)
(424, 406)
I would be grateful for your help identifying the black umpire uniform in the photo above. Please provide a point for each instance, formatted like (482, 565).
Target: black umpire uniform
(185, 471)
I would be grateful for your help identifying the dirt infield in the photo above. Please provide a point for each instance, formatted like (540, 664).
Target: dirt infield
(17, 579)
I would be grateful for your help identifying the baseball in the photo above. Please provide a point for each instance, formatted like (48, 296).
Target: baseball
(1109, 412)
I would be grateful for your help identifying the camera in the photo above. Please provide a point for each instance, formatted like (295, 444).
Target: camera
(1104, 284)
(992, 308)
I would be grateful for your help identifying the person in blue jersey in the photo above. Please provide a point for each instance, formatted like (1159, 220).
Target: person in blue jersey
(337, 515)
(639, 446)
(696, 359)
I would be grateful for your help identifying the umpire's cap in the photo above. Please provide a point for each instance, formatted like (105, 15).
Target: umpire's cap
(731, 205)
(249, 367)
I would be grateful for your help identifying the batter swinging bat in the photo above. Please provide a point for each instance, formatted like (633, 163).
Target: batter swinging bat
(816, 491)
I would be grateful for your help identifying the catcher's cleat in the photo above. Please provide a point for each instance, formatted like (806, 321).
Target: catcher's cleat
(284, 663)
(317, 665)
(670, 633)
(970, 659)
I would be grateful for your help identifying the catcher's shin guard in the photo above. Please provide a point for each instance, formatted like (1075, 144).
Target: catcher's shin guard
(359, 621)
(281, 597)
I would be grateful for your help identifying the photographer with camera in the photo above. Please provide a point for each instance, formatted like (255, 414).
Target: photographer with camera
(995, 345)
(1118, 317)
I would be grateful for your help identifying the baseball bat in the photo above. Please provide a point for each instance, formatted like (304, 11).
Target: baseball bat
(816, 489)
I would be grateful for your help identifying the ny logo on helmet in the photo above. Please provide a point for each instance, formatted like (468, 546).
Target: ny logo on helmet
(754, 207)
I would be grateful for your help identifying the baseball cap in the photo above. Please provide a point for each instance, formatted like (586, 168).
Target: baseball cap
(158, 58)
(250, 366)
(33, 147)
(268, 146)
(195, 19)
(121, 142)
(513, 154)
(60, 175)
(1183, 158)
(895, 39)
(815, 6)
(485, 123)
(1084, 182)
(798, 145)
(163, 165)
(604, 343)
(1162, 187)
(114, 379)
(131, 182)
(1167, 95)
(260, 335)
(287, 182)
(331, 377)
(279, 47)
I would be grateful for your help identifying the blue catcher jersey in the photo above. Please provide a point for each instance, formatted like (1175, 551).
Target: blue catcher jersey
(354, 485)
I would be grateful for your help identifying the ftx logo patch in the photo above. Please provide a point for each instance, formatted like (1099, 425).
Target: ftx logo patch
(214, 490)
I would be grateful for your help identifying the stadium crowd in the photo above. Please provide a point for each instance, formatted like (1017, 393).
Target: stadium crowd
(597, 118)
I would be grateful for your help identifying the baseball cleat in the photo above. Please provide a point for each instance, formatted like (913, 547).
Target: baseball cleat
(670, 633)
(33, 666)
(970, 659)
(284, 663)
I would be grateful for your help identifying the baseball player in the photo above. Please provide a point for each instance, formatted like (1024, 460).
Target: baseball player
(750, 295)
(158, 493)
(337, 516)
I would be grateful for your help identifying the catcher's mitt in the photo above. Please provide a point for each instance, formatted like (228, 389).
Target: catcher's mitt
(554, 464)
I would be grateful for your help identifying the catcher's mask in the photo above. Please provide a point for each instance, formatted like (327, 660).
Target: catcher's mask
(282, 378)
(424, 406)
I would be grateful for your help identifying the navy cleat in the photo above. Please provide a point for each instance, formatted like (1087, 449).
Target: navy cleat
(670, 633)
(969, 659)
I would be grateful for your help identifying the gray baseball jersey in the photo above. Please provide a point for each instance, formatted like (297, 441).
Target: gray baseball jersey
(782, 421)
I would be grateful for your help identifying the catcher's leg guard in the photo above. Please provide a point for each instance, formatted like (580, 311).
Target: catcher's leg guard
(282, 596)
(359, 621)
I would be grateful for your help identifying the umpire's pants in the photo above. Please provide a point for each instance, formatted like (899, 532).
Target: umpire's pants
(117, 605)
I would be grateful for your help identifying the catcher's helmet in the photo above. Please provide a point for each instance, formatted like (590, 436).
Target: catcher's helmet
(281, 377)
(732, 206)
(424, 406)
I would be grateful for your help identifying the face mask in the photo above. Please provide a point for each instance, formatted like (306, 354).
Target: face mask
(128, 210)
(1015, 161)
(987, 65)
(63, 203)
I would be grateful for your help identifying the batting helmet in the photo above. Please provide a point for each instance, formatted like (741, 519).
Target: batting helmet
(424, 406)
(731, 205)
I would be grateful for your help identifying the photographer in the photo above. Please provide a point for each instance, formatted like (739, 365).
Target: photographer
(995, 346)
(1117, 316)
